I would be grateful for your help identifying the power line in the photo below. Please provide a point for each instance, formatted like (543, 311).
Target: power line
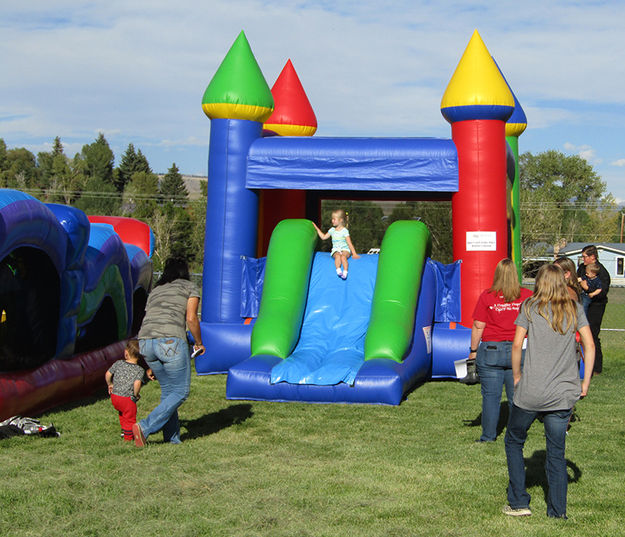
(38, 192)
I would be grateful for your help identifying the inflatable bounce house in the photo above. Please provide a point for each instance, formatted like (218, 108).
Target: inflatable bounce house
(274, 315)
(72, 289)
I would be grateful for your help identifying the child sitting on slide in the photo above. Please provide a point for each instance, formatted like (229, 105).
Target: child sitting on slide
(342, 246)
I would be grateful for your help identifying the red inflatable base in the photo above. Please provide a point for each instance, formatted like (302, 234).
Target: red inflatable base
(31, 392)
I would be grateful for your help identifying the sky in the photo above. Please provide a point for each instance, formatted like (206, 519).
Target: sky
(136, 71)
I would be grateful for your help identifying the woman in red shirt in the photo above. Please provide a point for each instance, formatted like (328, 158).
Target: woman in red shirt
(491, 341)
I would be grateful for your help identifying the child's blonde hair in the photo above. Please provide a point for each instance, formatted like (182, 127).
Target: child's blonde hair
(132, 346)
(342, 215)
(593, 268)
(551, 292)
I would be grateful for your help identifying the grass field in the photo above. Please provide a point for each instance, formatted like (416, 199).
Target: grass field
(267, 469)
(615, 311)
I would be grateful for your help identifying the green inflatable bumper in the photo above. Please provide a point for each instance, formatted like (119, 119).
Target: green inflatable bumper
(404, 249)
(289, 261)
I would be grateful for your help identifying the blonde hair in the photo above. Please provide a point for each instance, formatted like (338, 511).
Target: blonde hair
(506, 280)
(342, 215)
(551, 293)
(132, 346)
(593, 268)
(567, 265)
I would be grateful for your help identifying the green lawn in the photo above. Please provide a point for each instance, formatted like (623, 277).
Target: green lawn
(615, 311)
(270, 469)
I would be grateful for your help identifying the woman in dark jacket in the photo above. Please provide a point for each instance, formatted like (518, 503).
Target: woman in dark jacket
(599, 302)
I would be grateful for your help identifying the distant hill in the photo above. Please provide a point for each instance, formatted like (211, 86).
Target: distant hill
(192, 182)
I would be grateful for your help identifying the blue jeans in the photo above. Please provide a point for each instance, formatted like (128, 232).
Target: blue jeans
(495, 371)
(555, 423)
(171, 363)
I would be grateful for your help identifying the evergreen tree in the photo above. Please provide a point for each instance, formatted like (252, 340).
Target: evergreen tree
(62, 183)
(97, 160)
(126, 168)
(180, 234)
(57, 148)
(142, 163)
(45, 162)
(172, 187)
(3, 156)
(132, 162)
(175, 222)
(182, 245)
(141, 195)
(99, 197)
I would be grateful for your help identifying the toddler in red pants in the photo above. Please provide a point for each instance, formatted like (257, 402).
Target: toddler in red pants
(125, 378)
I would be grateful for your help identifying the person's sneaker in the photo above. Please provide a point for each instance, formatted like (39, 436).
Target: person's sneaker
(339, 272)
(140, 440)
(344, 275)
(521, 511)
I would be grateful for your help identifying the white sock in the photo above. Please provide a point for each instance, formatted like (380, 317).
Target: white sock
(344, 274)
(338, 271)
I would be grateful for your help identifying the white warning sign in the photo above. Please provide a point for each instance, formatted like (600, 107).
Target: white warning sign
(481, 241)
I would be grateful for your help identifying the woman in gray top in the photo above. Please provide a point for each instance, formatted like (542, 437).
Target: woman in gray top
(548, 386)
(171, 307)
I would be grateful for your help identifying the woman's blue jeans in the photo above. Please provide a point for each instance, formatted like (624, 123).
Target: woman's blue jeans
(495, 371)
(170, 361)
(555, 423)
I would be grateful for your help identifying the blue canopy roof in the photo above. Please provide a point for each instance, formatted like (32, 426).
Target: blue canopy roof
(365, 164)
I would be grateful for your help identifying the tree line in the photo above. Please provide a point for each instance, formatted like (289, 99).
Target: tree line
(91, 182)
(562, 200)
